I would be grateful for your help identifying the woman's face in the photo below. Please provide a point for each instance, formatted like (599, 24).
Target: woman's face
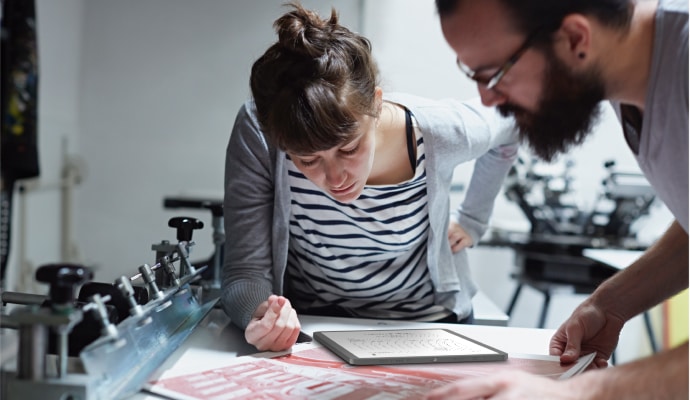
(342, 171)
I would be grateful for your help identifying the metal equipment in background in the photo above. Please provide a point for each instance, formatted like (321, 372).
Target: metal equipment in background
(114, 336)
(624, 198)
(549, 257)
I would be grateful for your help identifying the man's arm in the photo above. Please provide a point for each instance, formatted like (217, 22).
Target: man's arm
(661, 376)
(595, 325)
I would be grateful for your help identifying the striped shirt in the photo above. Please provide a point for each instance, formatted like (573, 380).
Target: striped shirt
(367, 257)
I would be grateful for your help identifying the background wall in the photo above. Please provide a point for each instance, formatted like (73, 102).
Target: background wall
(140, 96)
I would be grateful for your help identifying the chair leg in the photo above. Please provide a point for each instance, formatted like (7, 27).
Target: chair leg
(650, 331)
(514, 299)
(544, 309)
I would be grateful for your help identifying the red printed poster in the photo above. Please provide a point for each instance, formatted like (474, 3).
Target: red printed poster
(311, 371)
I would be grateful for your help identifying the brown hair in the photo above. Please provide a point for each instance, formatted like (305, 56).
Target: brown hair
(313, 83)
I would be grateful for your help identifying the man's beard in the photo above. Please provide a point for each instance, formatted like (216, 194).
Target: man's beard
(567, 111)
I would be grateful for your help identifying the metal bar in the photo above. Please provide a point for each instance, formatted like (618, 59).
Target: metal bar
(22, 298)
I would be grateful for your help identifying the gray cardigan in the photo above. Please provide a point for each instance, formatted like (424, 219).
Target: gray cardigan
(257, 200)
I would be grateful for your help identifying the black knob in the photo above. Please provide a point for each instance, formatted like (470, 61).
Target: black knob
(185, 226)
(63, 280)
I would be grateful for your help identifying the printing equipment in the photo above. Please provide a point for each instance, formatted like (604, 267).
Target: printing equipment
(549, 257)
(95, 341)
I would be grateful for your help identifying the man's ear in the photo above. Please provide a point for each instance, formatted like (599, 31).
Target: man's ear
(574, 39)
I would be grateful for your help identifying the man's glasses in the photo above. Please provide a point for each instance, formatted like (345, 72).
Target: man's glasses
(491, 81)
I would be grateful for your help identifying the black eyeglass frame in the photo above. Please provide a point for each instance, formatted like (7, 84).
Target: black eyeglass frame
(494, 79)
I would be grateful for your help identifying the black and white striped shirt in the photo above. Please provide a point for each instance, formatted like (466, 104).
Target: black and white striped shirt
(368, 256)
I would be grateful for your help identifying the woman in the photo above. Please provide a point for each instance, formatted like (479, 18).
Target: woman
(337, 197)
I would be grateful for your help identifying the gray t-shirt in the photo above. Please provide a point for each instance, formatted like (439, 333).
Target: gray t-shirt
(663, 142)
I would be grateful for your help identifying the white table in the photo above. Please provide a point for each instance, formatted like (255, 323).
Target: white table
(619, 259)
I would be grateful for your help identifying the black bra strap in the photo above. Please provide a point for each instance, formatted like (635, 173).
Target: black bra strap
(410, 140)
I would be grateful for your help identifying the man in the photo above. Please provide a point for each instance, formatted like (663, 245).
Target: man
(549, 64)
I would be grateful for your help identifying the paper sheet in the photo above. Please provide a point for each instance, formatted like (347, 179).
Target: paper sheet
(311, 371)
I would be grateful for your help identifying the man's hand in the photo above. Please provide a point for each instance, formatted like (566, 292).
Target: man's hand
(589, 329)
(457, 237)
(274, 325)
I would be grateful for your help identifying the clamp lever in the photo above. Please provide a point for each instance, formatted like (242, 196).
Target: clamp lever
(185, 227)
(63, 280)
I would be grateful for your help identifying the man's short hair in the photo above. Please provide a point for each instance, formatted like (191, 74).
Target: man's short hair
(531, 15)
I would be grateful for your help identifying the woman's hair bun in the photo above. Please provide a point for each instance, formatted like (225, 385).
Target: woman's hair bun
(313, 83)
(304, 32)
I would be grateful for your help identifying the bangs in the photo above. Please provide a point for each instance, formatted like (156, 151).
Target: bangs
(317, 120)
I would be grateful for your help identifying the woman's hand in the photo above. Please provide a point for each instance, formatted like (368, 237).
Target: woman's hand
(457, 237)
(274, 325)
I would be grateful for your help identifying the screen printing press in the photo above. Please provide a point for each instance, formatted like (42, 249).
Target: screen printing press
(88, 340)
(94, 340)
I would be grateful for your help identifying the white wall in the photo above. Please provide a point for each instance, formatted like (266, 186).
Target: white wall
(146, 91)
(142, 96)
